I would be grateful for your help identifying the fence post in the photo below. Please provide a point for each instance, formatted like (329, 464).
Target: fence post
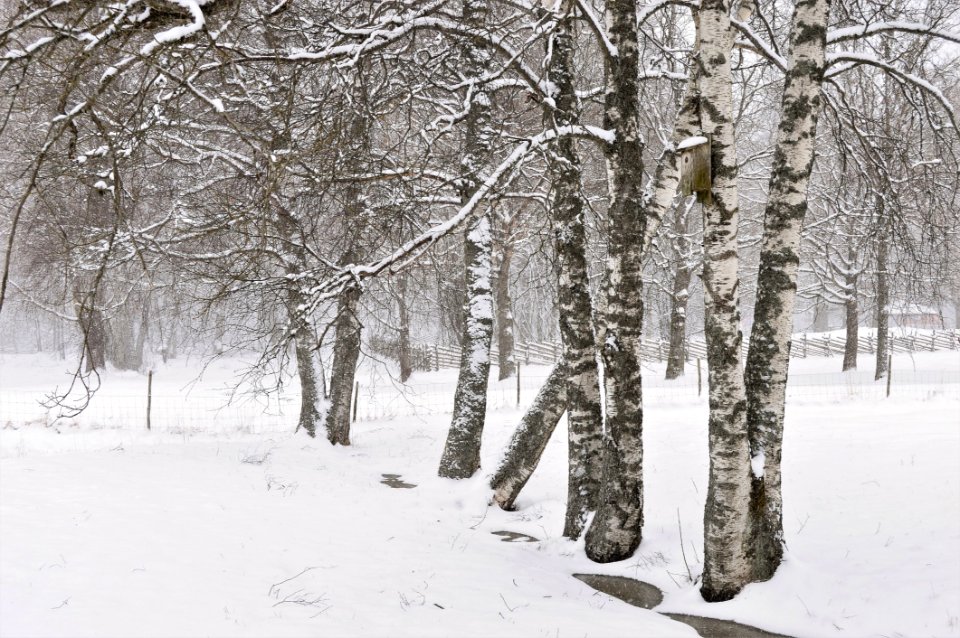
(356, 399)
(149, 395)
(699, 378)
(889, 372)
(518, 384)
(436, 356)
(804, 345)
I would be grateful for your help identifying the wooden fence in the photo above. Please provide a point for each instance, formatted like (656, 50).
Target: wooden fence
(435, 357)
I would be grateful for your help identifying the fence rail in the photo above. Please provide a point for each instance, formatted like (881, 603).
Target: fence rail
(437, 357)
(430, 394)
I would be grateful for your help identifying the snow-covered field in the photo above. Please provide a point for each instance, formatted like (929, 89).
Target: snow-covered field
(223, 523)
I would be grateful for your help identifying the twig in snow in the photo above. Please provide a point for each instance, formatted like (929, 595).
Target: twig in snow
(683, 551)
(274, 588)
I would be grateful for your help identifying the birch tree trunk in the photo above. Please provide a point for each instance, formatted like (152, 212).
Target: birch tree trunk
(726, 569)
(769, 357)
(584, 413)
(616, 528)
(679, 296)
(531, 438)
(461, 454)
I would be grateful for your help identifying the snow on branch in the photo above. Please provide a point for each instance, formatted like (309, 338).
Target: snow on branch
(841, 61)
(865, 30)
(354, 274)
(759, 45)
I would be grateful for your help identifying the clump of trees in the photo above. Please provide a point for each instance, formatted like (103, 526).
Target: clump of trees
(291, 177)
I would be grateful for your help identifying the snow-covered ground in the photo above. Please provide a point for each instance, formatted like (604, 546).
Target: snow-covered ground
(221, 522)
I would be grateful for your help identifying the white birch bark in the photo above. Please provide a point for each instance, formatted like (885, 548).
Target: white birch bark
(584, 414)
(616, 529)
(769, 357)
(726, 568)
(461, 454)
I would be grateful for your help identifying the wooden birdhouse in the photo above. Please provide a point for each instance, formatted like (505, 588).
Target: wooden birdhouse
(695, 170)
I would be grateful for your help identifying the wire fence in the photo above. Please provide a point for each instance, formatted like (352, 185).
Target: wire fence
(218, 412)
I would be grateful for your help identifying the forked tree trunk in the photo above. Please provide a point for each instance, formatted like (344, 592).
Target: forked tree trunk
(726, 568)
(769, 358)
(530, 439)
(461, 454)
(584, 413)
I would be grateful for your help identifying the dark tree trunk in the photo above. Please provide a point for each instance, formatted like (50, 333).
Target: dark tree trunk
(530, 439)
(851, 307)
(506, 359)
(346, 352)
(883, 296)
(403, 338)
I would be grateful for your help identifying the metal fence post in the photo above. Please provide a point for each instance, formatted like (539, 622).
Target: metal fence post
(699, 378)
(356, 399)
(149, 395)
(889, 372)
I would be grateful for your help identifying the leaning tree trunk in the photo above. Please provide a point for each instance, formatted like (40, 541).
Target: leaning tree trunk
(679, 296)
(726, 569)
(883, 296)
(530, 439)
(506, 358)
(461, 454)
(616, 528)
(584, 413)
(769, 358)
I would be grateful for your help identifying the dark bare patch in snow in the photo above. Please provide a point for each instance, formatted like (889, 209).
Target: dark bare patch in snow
(394, 481)
(515, 537)
(646, 596)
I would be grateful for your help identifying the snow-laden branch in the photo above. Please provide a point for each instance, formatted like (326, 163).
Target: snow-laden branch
(760, 45)
(865, 30)
(354, 274)
(390, 32)
(841, 61)
(182, 31)
(597, 27)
